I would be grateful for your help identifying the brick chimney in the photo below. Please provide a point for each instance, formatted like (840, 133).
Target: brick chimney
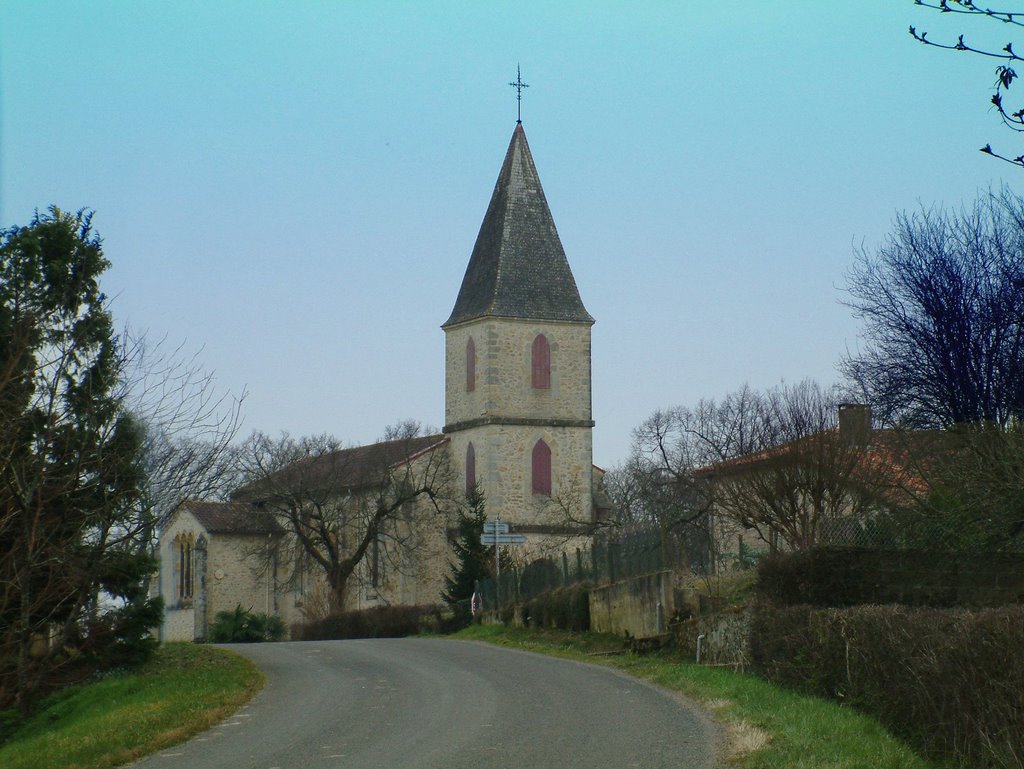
(855, 423)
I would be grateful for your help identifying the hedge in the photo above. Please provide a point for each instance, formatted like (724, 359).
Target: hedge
(567, 608)
(827, 576)
(950, 681)
(380, 622)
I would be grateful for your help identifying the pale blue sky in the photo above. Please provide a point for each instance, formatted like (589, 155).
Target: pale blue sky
(296, 187)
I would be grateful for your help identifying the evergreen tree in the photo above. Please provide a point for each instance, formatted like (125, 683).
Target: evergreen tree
(473, 561)
(70, 469)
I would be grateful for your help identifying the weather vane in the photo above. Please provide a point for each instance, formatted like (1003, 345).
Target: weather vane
(519, 85)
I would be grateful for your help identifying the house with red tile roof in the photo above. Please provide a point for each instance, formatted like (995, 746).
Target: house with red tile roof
(822, 488)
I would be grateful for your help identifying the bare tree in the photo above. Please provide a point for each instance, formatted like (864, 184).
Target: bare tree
(942, 302)
(773, 463)
(808, 470)
(974, 494)
(660, 485)
(343, 508)
(189, 425)
(1005, 73)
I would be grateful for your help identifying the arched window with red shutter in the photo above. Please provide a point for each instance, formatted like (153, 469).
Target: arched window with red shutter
(541, 363)
(470, 365)
(541, 468)
(470, 469)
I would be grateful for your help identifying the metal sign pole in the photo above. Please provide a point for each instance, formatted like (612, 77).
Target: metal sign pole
(498, 562)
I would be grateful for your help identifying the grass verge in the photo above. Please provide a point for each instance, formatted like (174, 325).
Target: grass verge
(767, 727)
(106, 723)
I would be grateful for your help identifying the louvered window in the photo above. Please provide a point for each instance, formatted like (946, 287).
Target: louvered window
(470, 469)
(541, 363)
(470, 365)
(541, 468)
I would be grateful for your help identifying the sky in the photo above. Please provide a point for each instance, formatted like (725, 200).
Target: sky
(292, 190)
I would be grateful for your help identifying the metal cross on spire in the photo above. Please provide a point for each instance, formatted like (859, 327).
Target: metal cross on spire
(519, 85)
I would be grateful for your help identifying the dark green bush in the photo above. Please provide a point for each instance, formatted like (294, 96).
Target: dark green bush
(852, 576)
(950, 681)
(564, 609)
(378, 622)
(241, 626)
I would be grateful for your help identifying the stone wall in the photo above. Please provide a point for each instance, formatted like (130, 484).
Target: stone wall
(724, 637)
(415, 562)
(179, 614)
(640, 606)
(240, 574)
(504, 371)
(504, 456)
(178, 625)
(504, 417)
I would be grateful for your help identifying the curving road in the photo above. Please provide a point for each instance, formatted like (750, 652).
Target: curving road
(441, 704)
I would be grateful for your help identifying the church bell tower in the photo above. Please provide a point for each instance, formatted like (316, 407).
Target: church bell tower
(517, 362)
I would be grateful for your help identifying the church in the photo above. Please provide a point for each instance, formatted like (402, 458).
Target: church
(518, 427)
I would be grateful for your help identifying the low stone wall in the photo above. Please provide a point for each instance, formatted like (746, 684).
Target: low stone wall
(639, 606)
(726, 637)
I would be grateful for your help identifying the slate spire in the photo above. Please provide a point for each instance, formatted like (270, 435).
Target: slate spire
(518, 268)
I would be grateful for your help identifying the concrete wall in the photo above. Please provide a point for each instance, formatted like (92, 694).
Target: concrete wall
(632, 606)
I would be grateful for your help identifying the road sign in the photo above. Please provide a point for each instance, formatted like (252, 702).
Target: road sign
(502, 539)
(495, 527)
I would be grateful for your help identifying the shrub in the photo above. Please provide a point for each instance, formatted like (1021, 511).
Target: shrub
(950, 681)
(827, 576)
(563, 609)
(378, 622)
(241, 626)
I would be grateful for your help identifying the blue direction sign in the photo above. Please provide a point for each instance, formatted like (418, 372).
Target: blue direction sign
(495, 527)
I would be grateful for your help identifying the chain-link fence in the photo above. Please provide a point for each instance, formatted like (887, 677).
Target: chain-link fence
(917, 531)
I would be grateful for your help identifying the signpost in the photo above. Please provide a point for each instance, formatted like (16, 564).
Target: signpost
(502, 539)
(497, 533)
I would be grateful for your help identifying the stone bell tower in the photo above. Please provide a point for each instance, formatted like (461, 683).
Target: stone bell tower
(517, 362)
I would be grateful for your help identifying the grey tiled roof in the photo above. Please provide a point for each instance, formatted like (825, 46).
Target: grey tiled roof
(232, 517)
(341, 470)
(518, 268)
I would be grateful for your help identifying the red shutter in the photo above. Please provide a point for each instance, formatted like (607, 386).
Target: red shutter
(541, 469)
(541, 363)
(470, 469)
(470, 365)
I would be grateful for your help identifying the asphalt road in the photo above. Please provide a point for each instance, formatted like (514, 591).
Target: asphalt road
(424, 703)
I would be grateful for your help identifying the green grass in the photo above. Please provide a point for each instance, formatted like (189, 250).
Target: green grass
(767, 727)
(183, 690)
